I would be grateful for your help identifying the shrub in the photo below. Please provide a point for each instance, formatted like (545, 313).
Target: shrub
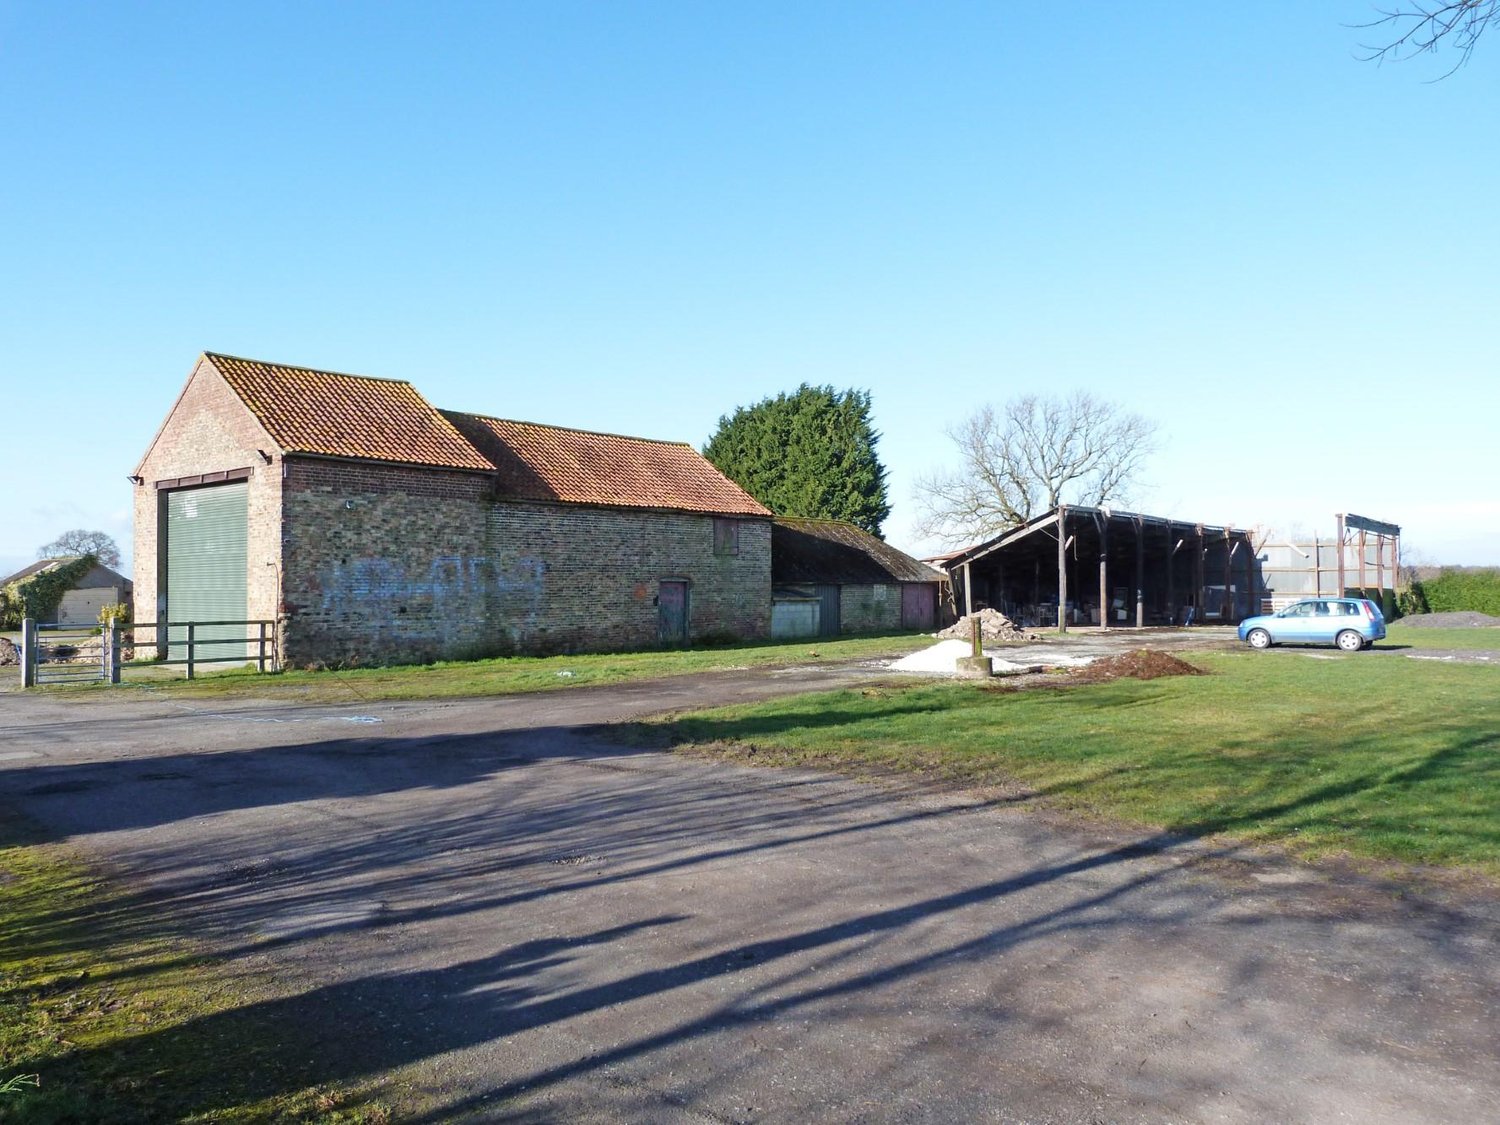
(116, 614)
(1458, 590)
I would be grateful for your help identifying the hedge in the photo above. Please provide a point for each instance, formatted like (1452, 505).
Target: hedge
(1457, 590)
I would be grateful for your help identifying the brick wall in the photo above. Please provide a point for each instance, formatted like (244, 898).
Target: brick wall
(391, 565)
(382, 564)
(208, 431)
(573, 578)
(870, 608)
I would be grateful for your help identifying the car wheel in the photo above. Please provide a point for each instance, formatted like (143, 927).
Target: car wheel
(1349, 641)
(1258, 638)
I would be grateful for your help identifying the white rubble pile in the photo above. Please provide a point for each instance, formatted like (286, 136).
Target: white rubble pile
(993, 626)
(940, 660)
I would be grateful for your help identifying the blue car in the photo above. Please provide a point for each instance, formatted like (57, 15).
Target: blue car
(1350, 623)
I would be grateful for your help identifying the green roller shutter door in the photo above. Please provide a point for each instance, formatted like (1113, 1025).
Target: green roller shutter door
(206, 566)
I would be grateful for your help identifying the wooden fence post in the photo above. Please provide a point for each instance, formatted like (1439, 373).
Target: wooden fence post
(112, 653)
(190, 650)
(28, 653)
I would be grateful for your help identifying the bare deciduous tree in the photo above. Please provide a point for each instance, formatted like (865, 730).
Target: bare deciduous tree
(1428, 26)
(1029, 457)
(82, 542)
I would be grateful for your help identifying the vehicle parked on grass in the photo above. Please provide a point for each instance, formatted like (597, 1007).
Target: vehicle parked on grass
(1350, 623)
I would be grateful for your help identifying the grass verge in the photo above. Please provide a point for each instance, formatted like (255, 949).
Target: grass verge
(122, 1026)
(1371, 757)
(511, 675)
(1422, 637)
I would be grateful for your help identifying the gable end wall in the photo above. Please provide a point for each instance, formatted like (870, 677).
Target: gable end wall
(209, 431)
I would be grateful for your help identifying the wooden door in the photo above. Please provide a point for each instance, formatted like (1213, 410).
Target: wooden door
(919, 606)
(672, 612)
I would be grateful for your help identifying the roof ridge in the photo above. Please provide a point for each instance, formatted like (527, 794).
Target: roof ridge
(310, 370)
(565, 429)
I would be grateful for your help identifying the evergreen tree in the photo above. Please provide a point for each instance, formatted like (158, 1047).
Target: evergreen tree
(809, 453)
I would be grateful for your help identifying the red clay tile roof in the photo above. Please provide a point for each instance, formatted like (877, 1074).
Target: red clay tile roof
(309, 411)
(550, 463)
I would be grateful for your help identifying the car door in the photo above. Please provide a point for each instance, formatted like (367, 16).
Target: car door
(1326, 621)
(1295, 624)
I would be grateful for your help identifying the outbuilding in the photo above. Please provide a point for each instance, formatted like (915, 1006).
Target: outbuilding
(89, 593)
(370, 527)
(832, 577)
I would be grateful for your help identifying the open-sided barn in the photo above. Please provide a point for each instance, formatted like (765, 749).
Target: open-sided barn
(375, 528)
(1083, 565)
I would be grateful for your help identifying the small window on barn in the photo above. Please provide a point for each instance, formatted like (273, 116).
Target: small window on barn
(726, 537)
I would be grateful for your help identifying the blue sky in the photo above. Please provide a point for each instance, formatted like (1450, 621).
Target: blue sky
(634, 217)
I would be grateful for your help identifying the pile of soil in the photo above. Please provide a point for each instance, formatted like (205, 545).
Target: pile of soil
(9, 653)
(993, 626)
(1142, 664)
(1462, 619)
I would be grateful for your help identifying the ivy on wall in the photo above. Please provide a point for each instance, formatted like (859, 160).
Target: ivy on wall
(39, 595)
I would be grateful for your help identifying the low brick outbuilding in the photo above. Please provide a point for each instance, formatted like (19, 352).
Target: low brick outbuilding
(374, 528)
(830, 577)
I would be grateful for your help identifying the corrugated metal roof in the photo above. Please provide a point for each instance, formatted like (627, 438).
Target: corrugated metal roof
(324, 412)
(536, 462)
(829, 552)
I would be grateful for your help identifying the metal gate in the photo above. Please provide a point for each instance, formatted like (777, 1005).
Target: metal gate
(62, 654)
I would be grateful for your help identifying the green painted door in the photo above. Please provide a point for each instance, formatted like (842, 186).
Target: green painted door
(206, 567)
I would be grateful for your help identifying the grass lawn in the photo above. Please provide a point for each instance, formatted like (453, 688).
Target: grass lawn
(1375, 757)
(1424, 637)
(508, 675)
(120, 1026)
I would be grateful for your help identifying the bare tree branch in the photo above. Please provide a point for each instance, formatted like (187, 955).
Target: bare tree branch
(1428, 26)
(1029, 457)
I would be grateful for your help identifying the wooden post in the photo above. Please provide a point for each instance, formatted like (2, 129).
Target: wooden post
(190, 652)
(1342, 535)
(1140, 571)
(28, 652)
(1199, 577)
(1363, 546)
(112, 653)
(1104, 605)
(1062, 568)
(1171, 576)
(1228, 611)
(260, 663)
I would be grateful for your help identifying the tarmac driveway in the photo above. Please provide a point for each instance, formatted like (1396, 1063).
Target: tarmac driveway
(528, 923)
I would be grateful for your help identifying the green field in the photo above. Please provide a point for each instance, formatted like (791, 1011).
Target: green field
(1369, 756)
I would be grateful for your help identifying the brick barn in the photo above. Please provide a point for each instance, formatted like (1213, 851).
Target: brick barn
(831, 577)
(375, 528)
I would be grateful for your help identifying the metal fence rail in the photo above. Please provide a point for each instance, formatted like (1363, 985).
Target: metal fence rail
(54, 659)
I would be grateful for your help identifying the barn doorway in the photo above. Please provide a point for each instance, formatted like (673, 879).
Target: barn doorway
(672, 612)
(205, 557)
